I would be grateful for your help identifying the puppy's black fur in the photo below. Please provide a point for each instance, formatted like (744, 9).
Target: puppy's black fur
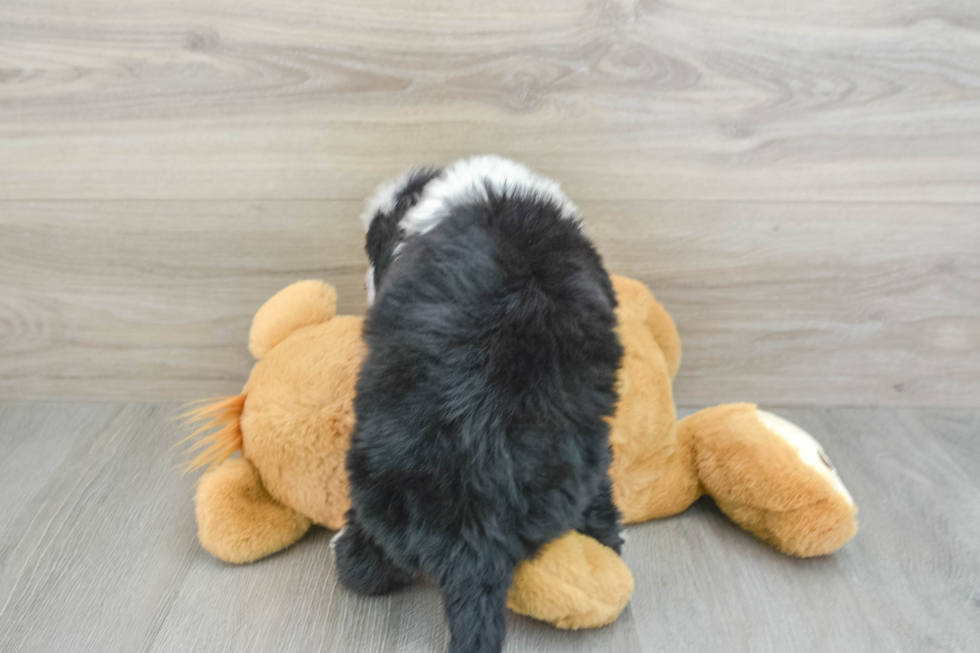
(384, 235)
(480, 408)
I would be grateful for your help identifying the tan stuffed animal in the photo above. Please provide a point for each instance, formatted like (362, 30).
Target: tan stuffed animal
(294, 417)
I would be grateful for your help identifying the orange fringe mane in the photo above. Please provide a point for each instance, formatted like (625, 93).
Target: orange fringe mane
(223, 414)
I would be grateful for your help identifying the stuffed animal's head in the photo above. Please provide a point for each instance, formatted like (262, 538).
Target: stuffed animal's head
(299, 412)
(298, 416)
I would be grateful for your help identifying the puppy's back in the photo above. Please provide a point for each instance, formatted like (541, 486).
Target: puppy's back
(491, 365)
(480, 407)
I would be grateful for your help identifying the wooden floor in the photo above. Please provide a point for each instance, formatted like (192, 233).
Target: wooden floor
(98, 553)
(798, 181)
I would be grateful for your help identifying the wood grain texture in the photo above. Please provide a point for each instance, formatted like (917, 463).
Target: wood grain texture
(154, 300)
(781, 303)
(621, 99)
(711, 587)
(93, 551)
(799, 182)
(98, 553)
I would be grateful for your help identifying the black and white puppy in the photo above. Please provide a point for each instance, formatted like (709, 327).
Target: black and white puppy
(481, 406)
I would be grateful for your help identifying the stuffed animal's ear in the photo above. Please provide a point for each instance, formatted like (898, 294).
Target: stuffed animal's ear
(302, 304)
(637, 302)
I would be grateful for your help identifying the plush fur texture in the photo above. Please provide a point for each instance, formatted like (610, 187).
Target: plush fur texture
(760, 479)
(781, 489)
(238, 521)
(295, 415)
(298, 420)
(383, 213)
(481, 407)
(302, 391)
(476, 181)
(299, 415)
(302, 304)
(552, 587)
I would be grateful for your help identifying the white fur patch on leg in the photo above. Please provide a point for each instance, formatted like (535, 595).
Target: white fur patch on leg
(807, 448)
(369, 285)
(333, 540)
(468, 180)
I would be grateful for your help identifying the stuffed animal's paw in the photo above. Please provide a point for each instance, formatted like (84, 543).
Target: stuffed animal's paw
(237, 520)
(573, 582)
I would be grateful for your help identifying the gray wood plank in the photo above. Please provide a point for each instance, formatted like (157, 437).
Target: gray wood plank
(957, 433)
(92, 559)
(907, 582)
(227, 99)
(99, 554)
(36, 441)
(781, 303)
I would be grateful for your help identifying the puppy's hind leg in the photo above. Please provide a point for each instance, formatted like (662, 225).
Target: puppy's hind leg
(475, 596)
(363, 566)
(601, 519)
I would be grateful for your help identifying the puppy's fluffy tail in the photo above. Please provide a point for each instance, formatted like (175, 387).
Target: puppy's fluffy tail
(223, 414)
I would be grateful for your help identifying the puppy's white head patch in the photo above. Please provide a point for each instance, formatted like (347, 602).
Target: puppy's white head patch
(472, 180)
